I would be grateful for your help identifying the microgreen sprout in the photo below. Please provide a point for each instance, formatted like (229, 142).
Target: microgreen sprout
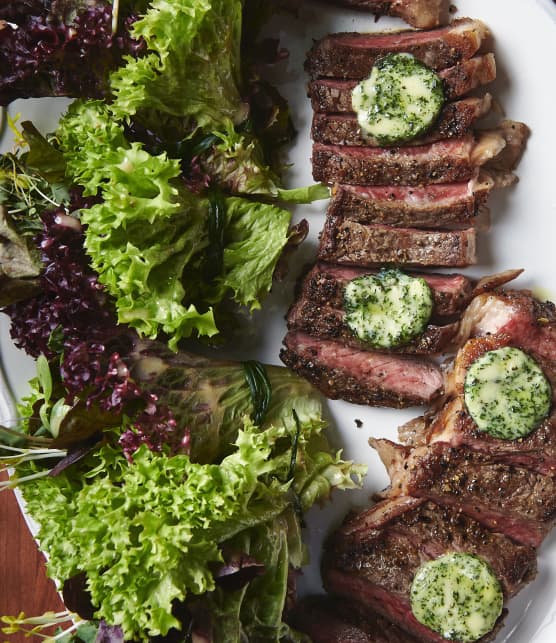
(35, 625)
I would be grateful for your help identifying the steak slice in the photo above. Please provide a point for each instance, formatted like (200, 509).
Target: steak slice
(455, 120)
(468, 75)
(332, 619)
(516, 314)
(327, 322)
(325, 283)
(453, 426)
(352, 55)
(450, 161)
(423, 14)
(348, 242)
(333, 95)
(374, 555)
(432, 206)
(510, 499)
(362, 377)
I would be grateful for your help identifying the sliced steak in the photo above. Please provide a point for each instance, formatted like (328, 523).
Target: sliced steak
(516, 314)
(423, 14)
(352, 55)
(348, 242)
(333, 95)
(328, 322)
(374, 555)
(431, 206)
(325, 283)
(453, 426)
(332, 619)
(455, 120)
(450, 161)
(362, 377)
(510, 499)
(468, 75)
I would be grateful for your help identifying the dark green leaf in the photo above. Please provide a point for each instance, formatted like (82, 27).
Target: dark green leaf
(43, 156)
(259, 385)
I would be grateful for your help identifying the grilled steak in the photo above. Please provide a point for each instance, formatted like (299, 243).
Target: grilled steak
(348, 242)
(468, 75)
(453, 426)
(449, 161)
(510, 499)
(455, 120)
(423, 14)
(432, 206)
(333, 95)
(328, 322)
(362, 377)
(352, 55)
(324, 284)
(375, 554)
(328, 619)
(525, 321)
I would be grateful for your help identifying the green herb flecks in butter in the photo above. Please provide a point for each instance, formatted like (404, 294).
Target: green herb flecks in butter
(399, 101)
(387, 309)
(458, 596)
(506, 393)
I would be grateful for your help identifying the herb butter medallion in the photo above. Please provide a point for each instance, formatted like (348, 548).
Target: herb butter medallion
(399, 101)
(458, 596)
(387, 309)
(506, 393)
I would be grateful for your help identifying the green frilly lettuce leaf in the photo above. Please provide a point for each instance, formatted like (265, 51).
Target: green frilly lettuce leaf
(192, 66)
(147, 237)
(149, 533)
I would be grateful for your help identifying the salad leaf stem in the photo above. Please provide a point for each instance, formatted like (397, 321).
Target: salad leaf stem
(33, 625)
(14, 482)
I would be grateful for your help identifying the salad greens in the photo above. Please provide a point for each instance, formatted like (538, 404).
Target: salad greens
(169, 488)
(148, 236)
(155, 532)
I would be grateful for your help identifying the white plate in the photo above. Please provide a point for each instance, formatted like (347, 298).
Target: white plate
(522, 236)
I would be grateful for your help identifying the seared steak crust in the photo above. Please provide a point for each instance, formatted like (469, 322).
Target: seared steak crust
(362, 377)
(324, 284)
(351, 243)
(333, 95)
(455, 120)
(352, 55)
(511, 499)
(374, 555)
(332, 619)
(452, 425)
(468, 75)
(423, 14)
(329, 323)
(447, 161)
(431, 206)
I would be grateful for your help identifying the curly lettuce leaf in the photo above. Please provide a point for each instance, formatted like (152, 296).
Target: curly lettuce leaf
(153, 531)
(255, 237)
(192, 65)
(149, 533)
(148, 235)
